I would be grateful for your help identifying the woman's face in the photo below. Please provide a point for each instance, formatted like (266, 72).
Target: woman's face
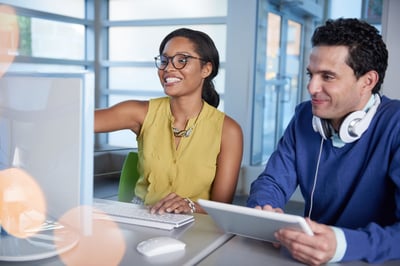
(188, 80)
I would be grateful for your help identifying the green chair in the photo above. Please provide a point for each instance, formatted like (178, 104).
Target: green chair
(128, 178)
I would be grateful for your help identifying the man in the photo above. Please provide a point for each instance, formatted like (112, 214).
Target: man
(342, 149)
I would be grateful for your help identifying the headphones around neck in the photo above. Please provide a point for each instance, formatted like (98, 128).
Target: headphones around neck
(352, 127)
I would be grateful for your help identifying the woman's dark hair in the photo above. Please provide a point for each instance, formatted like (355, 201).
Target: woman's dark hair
(367, 51)
(206, 49)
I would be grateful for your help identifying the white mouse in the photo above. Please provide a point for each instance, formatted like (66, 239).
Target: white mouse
(160, 245)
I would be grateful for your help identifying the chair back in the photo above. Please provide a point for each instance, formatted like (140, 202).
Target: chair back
(128, 178)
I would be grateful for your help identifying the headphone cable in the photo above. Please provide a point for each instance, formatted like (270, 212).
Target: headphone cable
(315, 178)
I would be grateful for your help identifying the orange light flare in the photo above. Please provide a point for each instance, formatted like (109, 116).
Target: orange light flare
(101, 241)
(9, 37)
(22, 203)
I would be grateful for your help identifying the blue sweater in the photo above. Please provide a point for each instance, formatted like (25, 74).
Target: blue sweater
(358, 185)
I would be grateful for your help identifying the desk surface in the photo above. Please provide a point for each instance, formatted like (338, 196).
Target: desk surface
(206, 245)
(245, 251)
(201, 236)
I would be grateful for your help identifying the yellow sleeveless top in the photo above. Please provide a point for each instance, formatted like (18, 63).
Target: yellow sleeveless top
(188, 170)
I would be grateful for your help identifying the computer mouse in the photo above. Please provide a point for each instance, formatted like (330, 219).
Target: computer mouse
(160, 245)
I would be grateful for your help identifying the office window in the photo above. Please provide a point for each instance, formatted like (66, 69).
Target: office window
(166, 9)
(33, 67)
(52, 35)
(135, 31)
(278, 74)
(45, 40)
(73, 8)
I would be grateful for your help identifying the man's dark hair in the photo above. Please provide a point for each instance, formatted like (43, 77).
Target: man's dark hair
(367, 51)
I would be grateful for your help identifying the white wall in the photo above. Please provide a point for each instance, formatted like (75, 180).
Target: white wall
(240, 53)
(239, 80)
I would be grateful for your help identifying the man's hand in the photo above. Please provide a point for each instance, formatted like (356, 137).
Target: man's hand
(269, 208)
(311, 250)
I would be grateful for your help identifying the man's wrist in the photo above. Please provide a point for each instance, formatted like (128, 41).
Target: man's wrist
(341, 244)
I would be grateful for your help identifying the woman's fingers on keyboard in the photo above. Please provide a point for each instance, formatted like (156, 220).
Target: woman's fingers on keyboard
(161, 206)
(171, 203)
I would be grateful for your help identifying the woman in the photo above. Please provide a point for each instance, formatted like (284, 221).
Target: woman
(187, 148)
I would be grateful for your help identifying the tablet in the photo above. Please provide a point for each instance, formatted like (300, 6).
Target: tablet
(250, 222)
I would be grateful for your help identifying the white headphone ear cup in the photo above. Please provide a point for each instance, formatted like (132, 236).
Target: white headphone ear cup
(346, 131)
(318, 126)
(353, 126)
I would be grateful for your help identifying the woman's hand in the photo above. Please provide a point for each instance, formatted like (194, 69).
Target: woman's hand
(173, 203)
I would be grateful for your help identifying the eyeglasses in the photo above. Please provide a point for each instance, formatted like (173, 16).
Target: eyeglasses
(179, 61)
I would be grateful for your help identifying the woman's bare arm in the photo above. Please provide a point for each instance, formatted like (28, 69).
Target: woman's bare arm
(124, 115)
(228, 162)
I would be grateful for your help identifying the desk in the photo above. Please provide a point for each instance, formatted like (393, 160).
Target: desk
(206, 245)
(201, 236)
(245, 251)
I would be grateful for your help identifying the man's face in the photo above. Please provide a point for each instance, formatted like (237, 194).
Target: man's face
(335, 91)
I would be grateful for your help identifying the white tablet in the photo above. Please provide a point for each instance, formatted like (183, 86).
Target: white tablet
(251, 222)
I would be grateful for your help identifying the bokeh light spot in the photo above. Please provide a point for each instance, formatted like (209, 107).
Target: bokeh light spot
(9, 37)
(101, 242)
(22, 203)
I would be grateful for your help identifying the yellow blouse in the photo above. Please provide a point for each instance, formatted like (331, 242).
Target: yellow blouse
(188, 170)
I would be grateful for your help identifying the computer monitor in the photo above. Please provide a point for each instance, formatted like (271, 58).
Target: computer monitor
(46, 129)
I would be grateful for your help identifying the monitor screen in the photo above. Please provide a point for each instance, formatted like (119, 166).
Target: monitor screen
(46, 129)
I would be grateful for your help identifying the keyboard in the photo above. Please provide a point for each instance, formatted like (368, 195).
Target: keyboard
(138, 215)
